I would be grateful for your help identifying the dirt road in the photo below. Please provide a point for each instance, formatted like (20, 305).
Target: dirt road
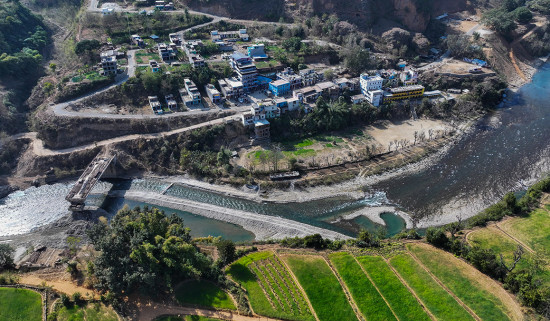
(152, 311)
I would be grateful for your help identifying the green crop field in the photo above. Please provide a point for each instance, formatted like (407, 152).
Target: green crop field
(205, 294)
(20, 305)
(271, 290)
(442, 305)
(89, 312)
(463, 281)
(322, 287)
(365, 295)
(402, 302)
(533, 230)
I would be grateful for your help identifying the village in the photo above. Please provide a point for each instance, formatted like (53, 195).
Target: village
(260, 89)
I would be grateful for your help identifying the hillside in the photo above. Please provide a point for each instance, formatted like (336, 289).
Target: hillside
(413, 14)
(23, 37)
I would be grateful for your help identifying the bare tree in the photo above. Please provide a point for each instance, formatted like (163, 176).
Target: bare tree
(430, 133)
(396, 142)
(422, 136)
(276, 155)
(390, 144)
(517, 256)
(415, 136)
(263, 159)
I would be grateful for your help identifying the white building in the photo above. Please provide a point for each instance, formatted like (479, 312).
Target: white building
(375, 97)
(369, 83)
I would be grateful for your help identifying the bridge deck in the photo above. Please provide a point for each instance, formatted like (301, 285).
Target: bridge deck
(78, 194)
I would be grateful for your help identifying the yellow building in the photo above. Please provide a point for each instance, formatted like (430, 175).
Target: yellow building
(406, 92)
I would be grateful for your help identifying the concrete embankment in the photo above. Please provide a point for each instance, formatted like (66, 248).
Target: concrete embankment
(263, 226)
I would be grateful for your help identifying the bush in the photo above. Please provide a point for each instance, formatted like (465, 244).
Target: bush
(6, 256)
(411, 234)
(65, 300)
(226, 251)
(486, 261)
(437, 237)
(77, 299)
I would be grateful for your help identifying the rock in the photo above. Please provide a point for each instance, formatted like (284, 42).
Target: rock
(6, 190)
(413, 17)
(397, 37)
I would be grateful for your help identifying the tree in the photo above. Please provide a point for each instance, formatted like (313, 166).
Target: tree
(145, 249)
(6, 256)
(523, 15)
(53, 67)
(314, 241)
(500, 20)
(226, 251)
(329, 74)
(292, 44)
(437, 237)
(358, 60)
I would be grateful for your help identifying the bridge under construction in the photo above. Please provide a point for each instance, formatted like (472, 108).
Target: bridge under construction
(89, 178)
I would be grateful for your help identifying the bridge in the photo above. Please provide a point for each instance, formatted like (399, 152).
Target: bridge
(89, 178)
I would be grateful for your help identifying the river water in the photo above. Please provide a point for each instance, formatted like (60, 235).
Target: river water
(507, 150)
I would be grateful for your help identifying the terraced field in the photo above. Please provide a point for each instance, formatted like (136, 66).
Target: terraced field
(271, 289)
(487, 300)
(533, 230)
(441, 303)
(420, 283)
(401, 300)
(322, 287)
(366, 296)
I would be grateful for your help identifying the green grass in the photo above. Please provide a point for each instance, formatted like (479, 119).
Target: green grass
(304, 143)
(402, 302)
(322, 288)
(20, 305)
(500, 243)
(89, 312)
(442, 305)
(485, 304)
(266, 64)
(203, 293)
(365, 295)
(329, 145)
(301, 152)
(534, 230)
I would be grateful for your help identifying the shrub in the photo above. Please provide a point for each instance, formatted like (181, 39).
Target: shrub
(65, 300)
(437, 237)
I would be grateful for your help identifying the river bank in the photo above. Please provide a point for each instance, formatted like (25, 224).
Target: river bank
(264, 227)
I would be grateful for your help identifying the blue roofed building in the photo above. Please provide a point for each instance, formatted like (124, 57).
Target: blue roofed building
(257, 52)
(279, 87)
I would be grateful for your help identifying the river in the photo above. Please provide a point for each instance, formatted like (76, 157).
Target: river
(507, 150)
